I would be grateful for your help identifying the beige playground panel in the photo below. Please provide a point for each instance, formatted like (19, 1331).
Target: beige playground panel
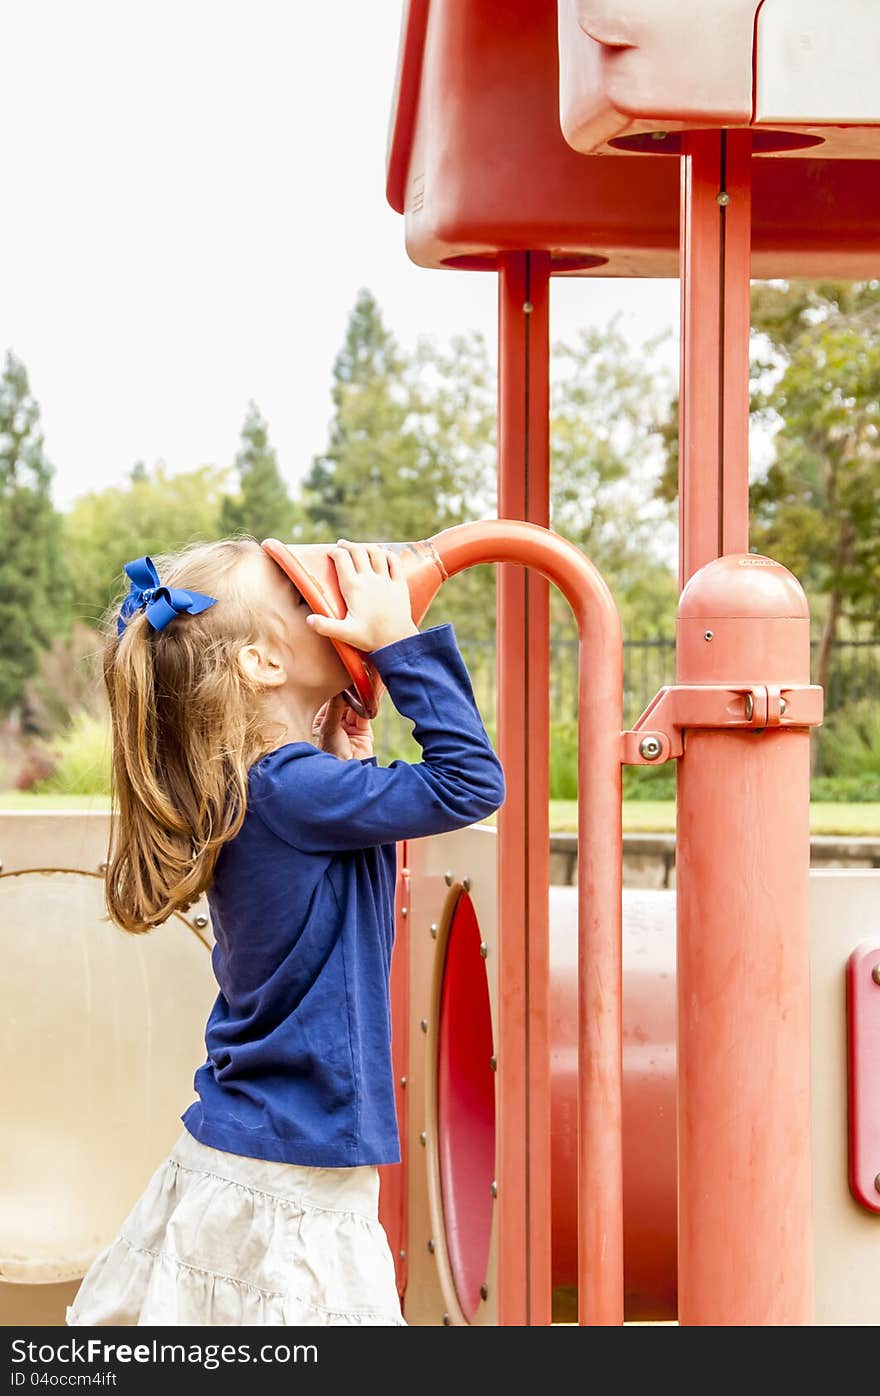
(103, 1032)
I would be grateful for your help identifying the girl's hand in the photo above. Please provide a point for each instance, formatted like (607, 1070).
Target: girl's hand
(343, 732)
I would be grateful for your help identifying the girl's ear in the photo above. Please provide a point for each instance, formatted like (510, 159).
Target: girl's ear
(259, 666)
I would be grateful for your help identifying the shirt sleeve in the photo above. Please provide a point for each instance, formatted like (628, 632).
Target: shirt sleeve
(322, 804)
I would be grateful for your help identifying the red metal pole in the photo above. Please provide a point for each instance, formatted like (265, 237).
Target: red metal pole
(744, 1231)
(523, 660)
(600, 853)
(743, 851)
(715, 225)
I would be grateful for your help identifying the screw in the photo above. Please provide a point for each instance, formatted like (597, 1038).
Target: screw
(494, 1188)
(650, 748)
(527, 307)
(447, 877)
(466, 883)
(424, 1025)
(723, 199)
(431, 1244)
(484, 1290)
(434, 930)
(403, 1080)
(423, 1138)
(201, 922)
(484, 949)
(493, 1062)
(709, 635)
(875, 974)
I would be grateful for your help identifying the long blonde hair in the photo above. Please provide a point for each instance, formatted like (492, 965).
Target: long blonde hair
(185, 726)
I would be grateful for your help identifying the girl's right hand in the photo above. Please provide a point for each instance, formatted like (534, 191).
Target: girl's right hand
(373, 584)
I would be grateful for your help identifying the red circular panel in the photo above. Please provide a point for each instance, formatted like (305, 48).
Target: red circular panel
(466, 1106)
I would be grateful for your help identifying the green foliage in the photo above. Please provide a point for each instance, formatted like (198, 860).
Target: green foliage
(82, 759)
(34, 582)
(851, 741)
(263, 508)
(151, 513)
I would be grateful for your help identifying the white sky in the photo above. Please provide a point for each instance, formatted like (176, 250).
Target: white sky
(194, 194)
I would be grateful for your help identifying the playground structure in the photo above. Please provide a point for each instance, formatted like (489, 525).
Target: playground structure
(601, 1117)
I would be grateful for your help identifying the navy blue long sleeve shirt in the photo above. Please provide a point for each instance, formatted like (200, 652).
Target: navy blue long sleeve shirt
(302, 906)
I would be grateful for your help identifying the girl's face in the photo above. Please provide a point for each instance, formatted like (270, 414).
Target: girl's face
(310, 663)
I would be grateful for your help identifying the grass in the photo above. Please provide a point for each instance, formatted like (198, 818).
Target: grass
(639, 816)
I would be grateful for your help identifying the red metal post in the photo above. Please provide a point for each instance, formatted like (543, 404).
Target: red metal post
(523, 661)
(743, 851)
(715, 256)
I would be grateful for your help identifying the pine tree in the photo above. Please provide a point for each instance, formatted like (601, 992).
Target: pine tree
(34, 581)
(263, 508)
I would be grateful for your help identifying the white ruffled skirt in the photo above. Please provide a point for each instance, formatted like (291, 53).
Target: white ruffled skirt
(218, 1238)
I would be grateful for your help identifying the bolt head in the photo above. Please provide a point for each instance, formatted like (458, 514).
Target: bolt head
(877, 1182)
(447, 877)
(424, 1025)
(447, 1320)
(875, 974)
(484, 1290)
(423, 1138)
(403, 1080)
(494, 1188)
(434, 929)
(650, 748)
(493, 1062)
(484, 949)
(466, 883)
(402, 1255)
(404, 911)
(709, 635)
(431, 1244)
(723, 199)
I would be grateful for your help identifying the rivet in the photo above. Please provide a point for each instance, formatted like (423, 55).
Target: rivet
(434, 930)
(484, 1290)
(403, 1080)
(750, 707)
(493, 1062)
(423, 1138)
(723, 199)
(709, 635)
(447, 877)
(494, 1188)
(650, 748)
(466, 883)
(431, 1244)
(528, 307)
(201, 922)
(402, 1255)
(875, 974)
(424, 1025)
(447, 1320)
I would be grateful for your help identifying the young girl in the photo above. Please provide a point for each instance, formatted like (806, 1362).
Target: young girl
(240, 772)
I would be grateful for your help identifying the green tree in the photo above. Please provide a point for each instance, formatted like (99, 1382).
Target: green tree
(608, 406)
(263, 507)
(816, 508)
(34, 582)
(151, 513)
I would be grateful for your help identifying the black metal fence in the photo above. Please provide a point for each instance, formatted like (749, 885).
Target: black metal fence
(648, 665)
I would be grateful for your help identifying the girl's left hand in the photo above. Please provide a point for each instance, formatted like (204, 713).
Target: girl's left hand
(343, 732)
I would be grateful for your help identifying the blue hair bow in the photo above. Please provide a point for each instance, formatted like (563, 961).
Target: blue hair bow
(163, 603)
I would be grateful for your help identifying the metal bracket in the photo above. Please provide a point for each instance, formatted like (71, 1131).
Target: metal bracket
(658, 734)
(863, 1013)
